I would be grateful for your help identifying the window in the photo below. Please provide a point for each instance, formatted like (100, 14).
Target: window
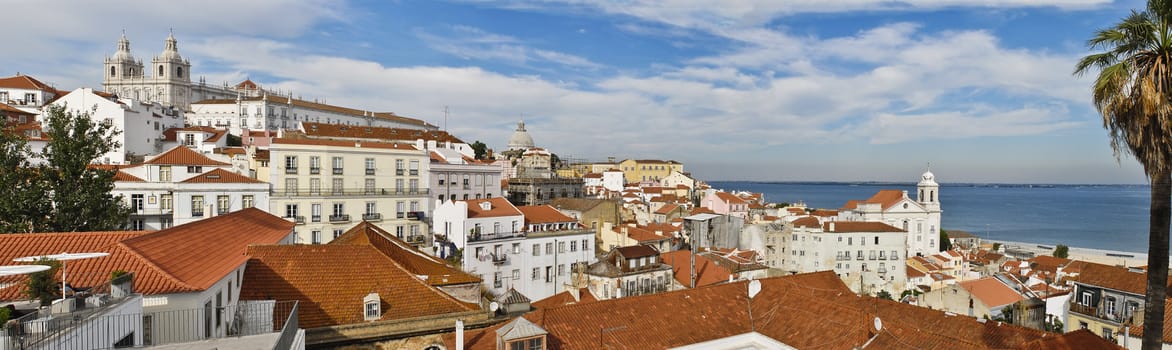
(414, 168)
(337, 165)
(399, 167)
(189, 140)
(584, 246)
(338, 209)
(316, 237)
(548, 248)
(496, 279)
(137, 225)
(314, 186)
(876, 239)
(441, 180)
(314, 165)
(165, 173)
(536, 250)
(315, 212)
(401, 213)
(197, 206)
(516, 274)
(369, 166)
(248, 201)
(290, 164)
(372, 311)
(195, 169)
(1085, 299)
(561, 270)
(561, 247)
(337, 232)
(536, 273)
(369, 186)
(370, 208)
(290, 210)
(136, 202)
(516, 248)
(291, 186)
(223, 205)
(165, 201)
(336, 186)
(573, 246)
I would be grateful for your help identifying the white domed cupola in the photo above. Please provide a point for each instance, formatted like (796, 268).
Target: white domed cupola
(520, 139)
(928, 190)
(170, 65)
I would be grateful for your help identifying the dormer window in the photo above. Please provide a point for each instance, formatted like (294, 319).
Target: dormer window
(372, 307)
(485, 205)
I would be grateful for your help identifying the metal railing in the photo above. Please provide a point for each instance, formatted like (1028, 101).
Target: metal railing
(315, 171)
(290, 170)
(372, 216)
(1100, 313)
(76, 331)
(499, 258)
(296, 219)
(369, 171)
(337, 171)
(478, 236)
(351, 192)
(340, 218)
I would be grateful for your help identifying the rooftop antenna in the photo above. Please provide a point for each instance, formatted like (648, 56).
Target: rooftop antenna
(445, 118)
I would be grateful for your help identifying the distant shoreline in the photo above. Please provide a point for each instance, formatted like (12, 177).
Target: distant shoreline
(947, 184)
(1102, 256)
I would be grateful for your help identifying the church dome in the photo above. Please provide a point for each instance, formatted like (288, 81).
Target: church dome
(520, 138)
(123, 53)
(928, 178)
(171, 49)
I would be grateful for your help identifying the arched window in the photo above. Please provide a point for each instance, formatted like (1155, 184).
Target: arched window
(179, 72)
(933, 195)
(113, 71)
(905, 225)
(160, 71)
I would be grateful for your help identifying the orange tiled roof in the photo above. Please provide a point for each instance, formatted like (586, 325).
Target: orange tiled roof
(499, 207)
(216, 134)
(1114, 277)
(25, 82)
(641, 235)
(824, 213)
(341, 143)
(991, 292)
(181, 155)
(701, 210)
(437, 271)
(1081, 339)
(123, 176)
(185, 258)
(805, 311)
(886, 199)
(220, 175)
(730, 198)
(707, 271)
(5, 108)
(913, 272)
(565, 298)
(330, 282)
(859, 226)
(1138, 331)
(808, 221)
(202, 252)
(543, 214)
(313, 129)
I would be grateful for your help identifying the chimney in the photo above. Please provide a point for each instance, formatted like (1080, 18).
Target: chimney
(459, 334)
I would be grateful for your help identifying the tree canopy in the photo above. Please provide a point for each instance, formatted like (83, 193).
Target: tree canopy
(479, 149)
(58, 189)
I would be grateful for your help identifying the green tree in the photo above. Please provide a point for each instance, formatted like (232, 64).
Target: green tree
(1061, 251)
(1133, 93)
(996, 246)
(883, 295)
(945, 243)
(65, 193)
(43, 285)
(479, 149)
(25, 208)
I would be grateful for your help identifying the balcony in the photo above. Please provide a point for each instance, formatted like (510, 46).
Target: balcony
(315, 218)
(369, 171)
(498, 259)
(315, 171)
(337, 171)
(291, 170)
(342, 218)
(372, 216)
(480, 237)
(153, 211)
(882, 270)
(416, 239)
(353, 192)
(300, 220)
(1116, 317)
(197, 214)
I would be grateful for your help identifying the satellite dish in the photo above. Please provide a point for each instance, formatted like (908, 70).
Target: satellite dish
(754, 288)
(494, 306)
(878, 324)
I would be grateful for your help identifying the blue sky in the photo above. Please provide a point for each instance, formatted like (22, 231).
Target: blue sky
(796, 90)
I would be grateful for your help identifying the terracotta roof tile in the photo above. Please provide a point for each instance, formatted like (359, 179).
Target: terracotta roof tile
(5, 108)
(220, 175)
(122, 176)
(330, 281)
(543, 214)
(1114, 277)
(577, 204)
(991, 292)
(730, 198)
(808, 221)
(25, 82)
(499, 206)
(82, 273)
(707, 271)
(637, 251)
(312, 129)
(343, 143)
(667, 209)
(436, 270)
(1081, 339)
(565, 298)
(181, 155)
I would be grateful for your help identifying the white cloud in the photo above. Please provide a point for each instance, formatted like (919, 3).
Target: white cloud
(477, 44)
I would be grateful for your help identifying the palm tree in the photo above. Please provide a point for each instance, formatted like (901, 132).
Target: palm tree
(1133, 92)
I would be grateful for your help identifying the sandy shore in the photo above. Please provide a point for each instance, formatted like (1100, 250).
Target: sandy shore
(1106, 257)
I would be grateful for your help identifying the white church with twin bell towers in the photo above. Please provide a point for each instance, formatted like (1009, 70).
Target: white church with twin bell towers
(166, 81)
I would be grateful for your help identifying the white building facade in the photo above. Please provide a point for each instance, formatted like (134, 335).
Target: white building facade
(867, 256)
(326, 186)
(920, 218)
(537, 264)
(140, 124)
(273, 112)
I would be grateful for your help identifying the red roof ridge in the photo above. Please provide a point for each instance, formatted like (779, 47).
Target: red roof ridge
(151, 263)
